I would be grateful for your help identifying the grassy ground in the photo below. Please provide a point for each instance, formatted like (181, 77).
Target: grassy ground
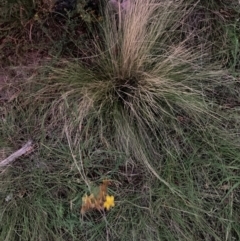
(147, 98)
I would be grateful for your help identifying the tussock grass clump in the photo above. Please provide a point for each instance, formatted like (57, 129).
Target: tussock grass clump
(139, 80)
(137, 112)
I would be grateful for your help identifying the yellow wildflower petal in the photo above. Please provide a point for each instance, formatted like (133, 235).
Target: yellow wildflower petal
(109, 202)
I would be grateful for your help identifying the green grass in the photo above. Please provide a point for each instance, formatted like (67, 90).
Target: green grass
(150, 103)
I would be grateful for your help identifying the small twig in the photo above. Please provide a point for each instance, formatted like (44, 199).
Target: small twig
(25, 149)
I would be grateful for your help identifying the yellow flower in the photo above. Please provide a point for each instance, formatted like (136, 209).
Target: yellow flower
(109, 202)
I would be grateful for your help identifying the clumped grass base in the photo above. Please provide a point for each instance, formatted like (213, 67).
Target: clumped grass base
(140, 112)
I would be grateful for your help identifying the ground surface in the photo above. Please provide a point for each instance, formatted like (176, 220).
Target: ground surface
(151, 103)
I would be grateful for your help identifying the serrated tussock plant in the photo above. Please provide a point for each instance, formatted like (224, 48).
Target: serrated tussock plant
(143, 90)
